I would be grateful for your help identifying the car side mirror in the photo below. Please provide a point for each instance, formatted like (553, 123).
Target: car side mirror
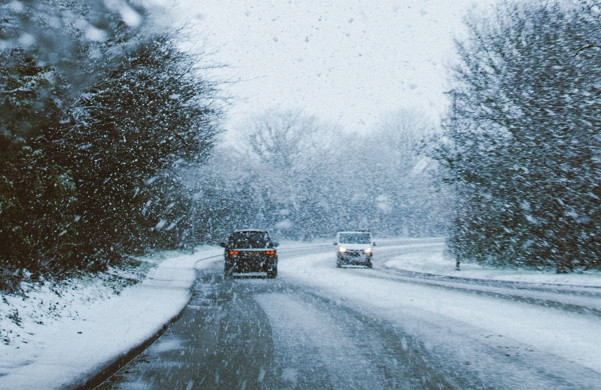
(222, 244)
(275, 244)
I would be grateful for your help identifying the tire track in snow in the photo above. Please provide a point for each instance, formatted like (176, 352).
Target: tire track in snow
(308, 341)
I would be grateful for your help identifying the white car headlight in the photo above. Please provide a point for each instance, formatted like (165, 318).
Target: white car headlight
(342, 249)
(368, 251)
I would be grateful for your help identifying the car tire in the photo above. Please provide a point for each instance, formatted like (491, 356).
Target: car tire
(273, 273)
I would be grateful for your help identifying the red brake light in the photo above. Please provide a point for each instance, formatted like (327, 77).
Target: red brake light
(233, 252)
(270, 252)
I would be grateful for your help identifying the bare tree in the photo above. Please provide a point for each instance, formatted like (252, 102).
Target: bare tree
(398, 196)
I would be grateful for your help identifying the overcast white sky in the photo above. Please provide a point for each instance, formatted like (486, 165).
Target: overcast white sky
(348, 62)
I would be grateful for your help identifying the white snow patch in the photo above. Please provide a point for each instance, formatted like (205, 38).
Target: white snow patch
(63, 339)
(574, 337)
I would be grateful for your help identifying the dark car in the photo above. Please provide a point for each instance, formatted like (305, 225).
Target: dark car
(250, 250)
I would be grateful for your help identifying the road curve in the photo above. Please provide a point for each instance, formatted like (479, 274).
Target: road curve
(290, 333)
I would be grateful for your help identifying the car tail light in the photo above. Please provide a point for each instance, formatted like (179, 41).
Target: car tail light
(271, 253)
(233, 252)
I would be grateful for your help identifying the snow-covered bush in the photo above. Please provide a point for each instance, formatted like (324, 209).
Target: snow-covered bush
(98, 111)
(521, 143)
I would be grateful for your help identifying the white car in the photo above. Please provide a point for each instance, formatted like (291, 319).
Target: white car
(354, 247)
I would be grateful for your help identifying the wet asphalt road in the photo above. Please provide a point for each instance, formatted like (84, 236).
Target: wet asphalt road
(224, 340)
(258, 333)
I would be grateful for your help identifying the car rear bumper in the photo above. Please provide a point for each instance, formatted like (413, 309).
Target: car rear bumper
(241, 264)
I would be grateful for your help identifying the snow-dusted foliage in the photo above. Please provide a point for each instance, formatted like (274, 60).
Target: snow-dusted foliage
(521, 143)
(127, 137)
(98, 111)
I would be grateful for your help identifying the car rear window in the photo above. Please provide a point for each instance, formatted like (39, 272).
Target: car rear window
(254, 239)
(355, 238)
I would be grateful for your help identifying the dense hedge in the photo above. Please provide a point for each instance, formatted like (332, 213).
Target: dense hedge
(89, 164)
(521, 144)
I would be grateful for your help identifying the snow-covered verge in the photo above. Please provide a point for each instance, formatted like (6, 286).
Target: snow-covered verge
(58, 336)
(57, 339)
(425, 255)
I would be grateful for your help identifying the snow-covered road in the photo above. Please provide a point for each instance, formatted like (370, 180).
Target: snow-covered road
(411, 322)
(514, 343)
(319, 327)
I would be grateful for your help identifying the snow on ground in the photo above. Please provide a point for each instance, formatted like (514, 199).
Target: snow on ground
(65, 335)
(54, 339)
(470, 316)
(426, 256)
